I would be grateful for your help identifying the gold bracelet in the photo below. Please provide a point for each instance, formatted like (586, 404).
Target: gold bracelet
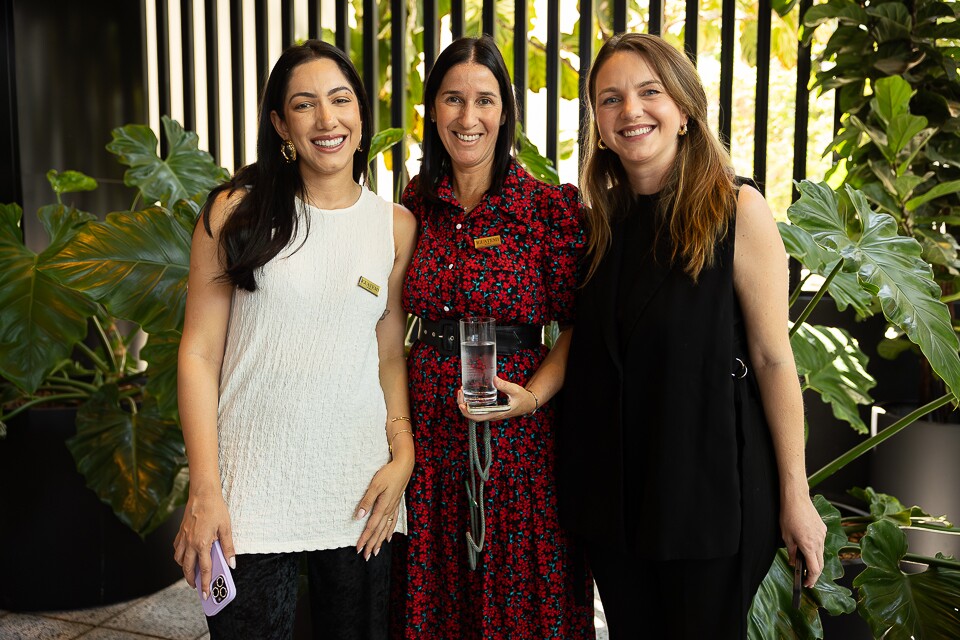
(395, 437)
(407, 418)
(536, 401)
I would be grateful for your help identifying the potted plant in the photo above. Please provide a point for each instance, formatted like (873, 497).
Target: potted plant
(89, 328)
(865, 261)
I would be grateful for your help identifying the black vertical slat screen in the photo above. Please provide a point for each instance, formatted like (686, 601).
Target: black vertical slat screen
(619, 16)
(656, 17)
(342, 27)
(431, 33)
(690, 28)
(367, 52)
(236, 79)
(213, 76)
(189, 72)
(163, 66)
(398, 116)
(520, 54)
(262, 43)
(287, 19)
(456, 18)
(801, 109)
(763, 94)
(371, 67)
(489, 18)
(314, 22)
(553, 79)
(727, 49)
(586, 57)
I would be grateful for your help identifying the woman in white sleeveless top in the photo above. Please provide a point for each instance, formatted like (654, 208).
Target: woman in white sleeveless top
(292, 379)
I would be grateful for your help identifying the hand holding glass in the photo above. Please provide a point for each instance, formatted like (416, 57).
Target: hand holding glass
(478, 364)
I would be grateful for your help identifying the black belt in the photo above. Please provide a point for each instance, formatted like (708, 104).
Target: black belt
(444, 335)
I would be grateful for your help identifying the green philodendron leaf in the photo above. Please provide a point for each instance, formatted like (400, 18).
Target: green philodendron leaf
(174, 500)
(70, 181)
(135, 263)
(889, 266)
(383, 140)
(772, 615)
(40, 319)
(783, 7)
(129, 460)
(891, 98)
(61, 224)
(844, 288)
(900, 606)
(185, 172)
(882, 505)
(160, 353)
(530, 159)
(832, 364)
(878, 195)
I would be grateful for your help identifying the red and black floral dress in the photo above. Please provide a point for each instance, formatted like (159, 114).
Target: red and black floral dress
(529, 583)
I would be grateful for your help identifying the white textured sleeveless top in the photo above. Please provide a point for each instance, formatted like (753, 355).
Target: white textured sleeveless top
(302, 415)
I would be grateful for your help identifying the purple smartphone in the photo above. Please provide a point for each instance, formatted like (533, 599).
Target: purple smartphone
(222, 590)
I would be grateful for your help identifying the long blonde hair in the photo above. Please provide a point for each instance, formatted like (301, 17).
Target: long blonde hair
(698, 196)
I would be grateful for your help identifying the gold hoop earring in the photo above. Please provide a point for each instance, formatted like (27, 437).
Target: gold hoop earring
(288, 151)
(683, 130)
(600, 144)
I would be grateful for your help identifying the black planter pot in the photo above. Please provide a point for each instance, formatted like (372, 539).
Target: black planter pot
(60, 546)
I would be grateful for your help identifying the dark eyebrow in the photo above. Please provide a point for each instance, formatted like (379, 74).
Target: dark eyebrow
(485, 94)
(312, 96)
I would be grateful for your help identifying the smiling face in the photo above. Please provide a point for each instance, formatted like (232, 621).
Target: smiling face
(321, 115)
(469, 112)
(636, 118)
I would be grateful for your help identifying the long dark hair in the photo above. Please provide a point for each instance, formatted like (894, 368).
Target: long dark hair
(436, 161)
(698, 197)
(265, 219)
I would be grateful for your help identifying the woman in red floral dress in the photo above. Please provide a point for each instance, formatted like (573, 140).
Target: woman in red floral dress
(494, 242)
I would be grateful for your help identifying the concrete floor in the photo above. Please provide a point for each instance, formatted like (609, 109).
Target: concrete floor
(170, 614)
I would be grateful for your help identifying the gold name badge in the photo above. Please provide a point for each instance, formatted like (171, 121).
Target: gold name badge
(369, 286)
(489, 241)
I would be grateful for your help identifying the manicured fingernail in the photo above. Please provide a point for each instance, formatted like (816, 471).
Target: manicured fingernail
(205, 595)
(361, 513)
(232, 562)
(376, 551)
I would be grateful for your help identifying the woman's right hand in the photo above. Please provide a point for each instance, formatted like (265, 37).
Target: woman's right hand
(205, 519)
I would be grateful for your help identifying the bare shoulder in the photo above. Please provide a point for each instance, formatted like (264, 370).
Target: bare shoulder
(754, 218)
(404, 225)
(222, 207)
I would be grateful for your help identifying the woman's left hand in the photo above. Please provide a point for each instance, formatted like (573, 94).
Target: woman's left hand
(382, 502)
(520, 400)
(803, 529)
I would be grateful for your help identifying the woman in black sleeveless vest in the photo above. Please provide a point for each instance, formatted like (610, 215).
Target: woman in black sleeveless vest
(681, 447)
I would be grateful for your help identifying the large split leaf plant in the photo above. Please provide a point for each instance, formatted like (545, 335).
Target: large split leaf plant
(863, 260)
(93, 321)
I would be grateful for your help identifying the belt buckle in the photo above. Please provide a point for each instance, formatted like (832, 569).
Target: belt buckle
(449, 337)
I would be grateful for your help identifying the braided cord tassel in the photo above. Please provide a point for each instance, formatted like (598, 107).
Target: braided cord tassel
(477, 530)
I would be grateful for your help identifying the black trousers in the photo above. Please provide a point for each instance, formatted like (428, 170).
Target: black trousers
(348, 596)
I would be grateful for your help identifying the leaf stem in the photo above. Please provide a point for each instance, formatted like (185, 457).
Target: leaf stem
(816, 299)
(857, 451)
(105, 342)
(41, 400)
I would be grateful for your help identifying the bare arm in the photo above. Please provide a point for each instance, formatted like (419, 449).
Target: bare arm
(761, 281)
(199, 359)
(382, 498)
